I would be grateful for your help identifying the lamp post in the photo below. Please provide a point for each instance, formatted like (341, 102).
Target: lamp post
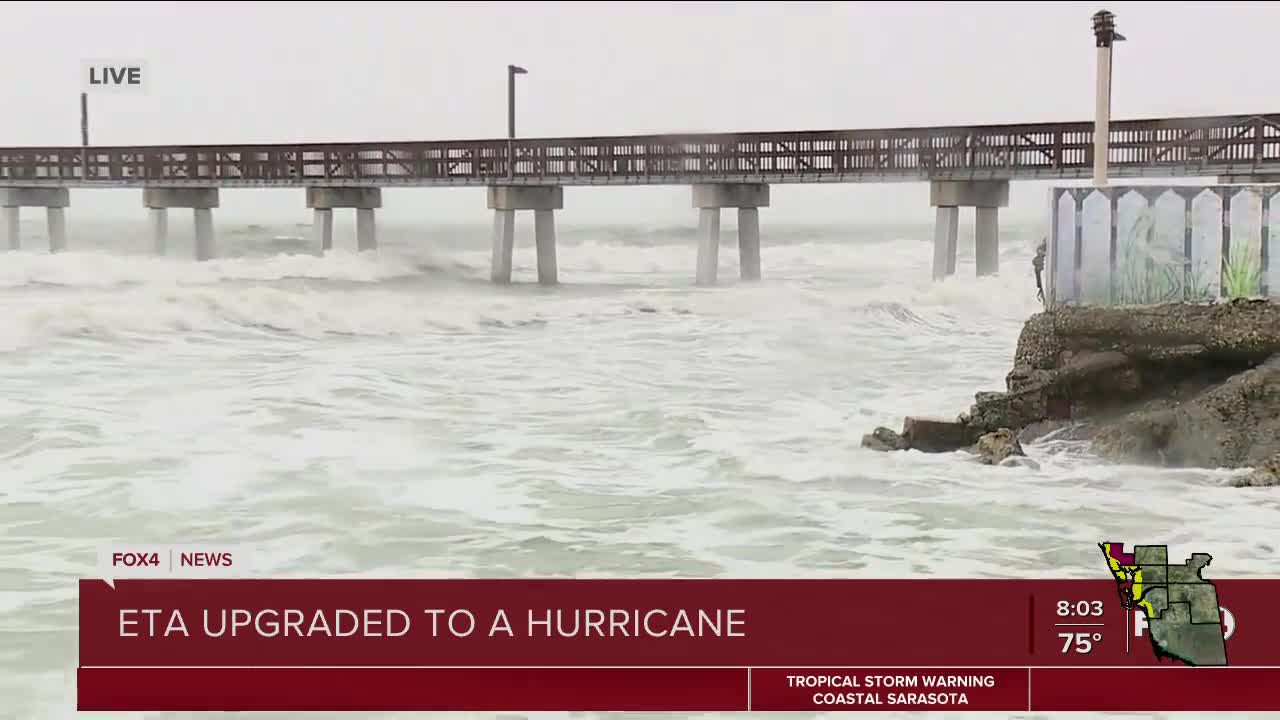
(1105, 35)
(84, 119)
(84, 136)
(512, 72)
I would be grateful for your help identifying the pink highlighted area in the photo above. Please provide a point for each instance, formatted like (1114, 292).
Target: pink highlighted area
(1116, 551)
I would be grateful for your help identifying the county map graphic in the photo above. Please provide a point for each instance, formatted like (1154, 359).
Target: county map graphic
(1183, 617)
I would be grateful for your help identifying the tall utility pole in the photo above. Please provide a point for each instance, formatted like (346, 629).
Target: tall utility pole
(1105, 35)
(84, 135)
(84, 119)
(512, 72)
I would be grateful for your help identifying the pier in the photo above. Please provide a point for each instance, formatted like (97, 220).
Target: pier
(966, 166)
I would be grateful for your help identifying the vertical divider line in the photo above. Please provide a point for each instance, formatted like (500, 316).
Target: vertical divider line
(748, 689)
(1031, 624)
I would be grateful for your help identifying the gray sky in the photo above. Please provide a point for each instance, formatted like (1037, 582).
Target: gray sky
(348, 71)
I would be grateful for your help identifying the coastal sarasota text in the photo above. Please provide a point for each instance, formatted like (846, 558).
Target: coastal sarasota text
(436, 622)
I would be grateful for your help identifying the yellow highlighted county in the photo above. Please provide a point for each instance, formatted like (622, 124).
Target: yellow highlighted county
(1130, 575)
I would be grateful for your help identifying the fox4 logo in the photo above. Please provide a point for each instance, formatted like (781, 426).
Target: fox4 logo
(1228, 623)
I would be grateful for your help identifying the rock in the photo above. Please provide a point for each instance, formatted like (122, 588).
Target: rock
(1138, 438)
(1058, 429)
(1265, 475)
(936, 436)
(994, 410)
(1039, 347)
(1182, 384)
(1019, 461)
(994, 447)
(884, 440)
(1178, 384)
(1235, 423)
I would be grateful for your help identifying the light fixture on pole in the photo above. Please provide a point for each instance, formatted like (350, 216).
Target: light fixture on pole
(512, 71)
(1105, 35)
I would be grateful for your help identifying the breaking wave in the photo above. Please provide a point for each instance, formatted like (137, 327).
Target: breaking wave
(413, 288)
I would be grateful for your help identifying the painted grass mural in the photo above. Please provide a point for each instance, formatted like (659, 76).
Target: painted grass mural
(1132, 245)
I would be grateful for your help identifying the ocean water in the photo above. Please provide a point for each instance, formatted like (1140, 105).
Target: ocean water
(394, 414)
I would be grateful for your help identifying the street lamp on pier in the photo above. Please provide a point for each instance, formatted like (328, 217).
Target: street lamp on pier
(512, 72)
(1105, 35)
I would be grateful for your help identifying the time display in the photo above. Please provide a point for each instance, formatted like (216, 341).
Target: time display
(1080, 608)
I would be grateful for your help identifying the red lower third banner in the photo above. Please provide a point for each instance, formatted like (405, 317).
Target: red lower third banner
(496, 689)
(639, 623)
(413, 689)
(1158, 689)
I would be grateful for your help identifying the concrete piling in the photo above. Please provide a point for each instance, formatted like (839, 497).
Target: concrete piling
(709, 198)
(986, 197)
(158, 219)
(946, 228)
(543, 200)
(204, 247)
(11, 217)
(749, 243)
(544, 236)
(54, 200)
(322, 228)
(201, 200)
(364, 200)
(947, 196)
(987, 240)
(708, 246)
(504, 238)
(366, 230)
(57, 221)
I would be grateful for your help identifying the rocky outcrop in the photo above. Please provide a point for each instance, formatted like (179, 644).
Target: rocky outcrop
(1232, 424)
(1240, 327)
(1265, 475)
(994, 447)
(1179, 384)
(884, 440)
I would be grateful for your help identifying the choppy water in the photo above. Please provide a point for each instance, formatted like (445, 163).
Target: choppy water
(395, 414)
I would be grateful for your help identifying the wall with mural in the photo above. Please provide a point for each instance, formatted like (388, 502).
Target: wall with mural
(1127, 245)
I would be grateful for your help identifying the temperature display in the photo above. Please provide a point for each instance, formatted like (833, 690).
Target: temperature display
(1079, 625)
(1080, 643)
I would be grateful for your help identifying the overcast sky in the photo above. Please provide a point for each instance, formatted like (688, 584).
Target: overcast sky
(352, 71)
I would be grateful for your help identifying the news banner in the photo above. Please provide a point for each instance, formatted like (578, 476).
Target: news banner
(176, 628)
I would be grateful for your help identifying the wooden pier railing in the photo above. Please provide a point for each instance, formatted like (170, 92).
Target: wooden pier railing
(1188, 146)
